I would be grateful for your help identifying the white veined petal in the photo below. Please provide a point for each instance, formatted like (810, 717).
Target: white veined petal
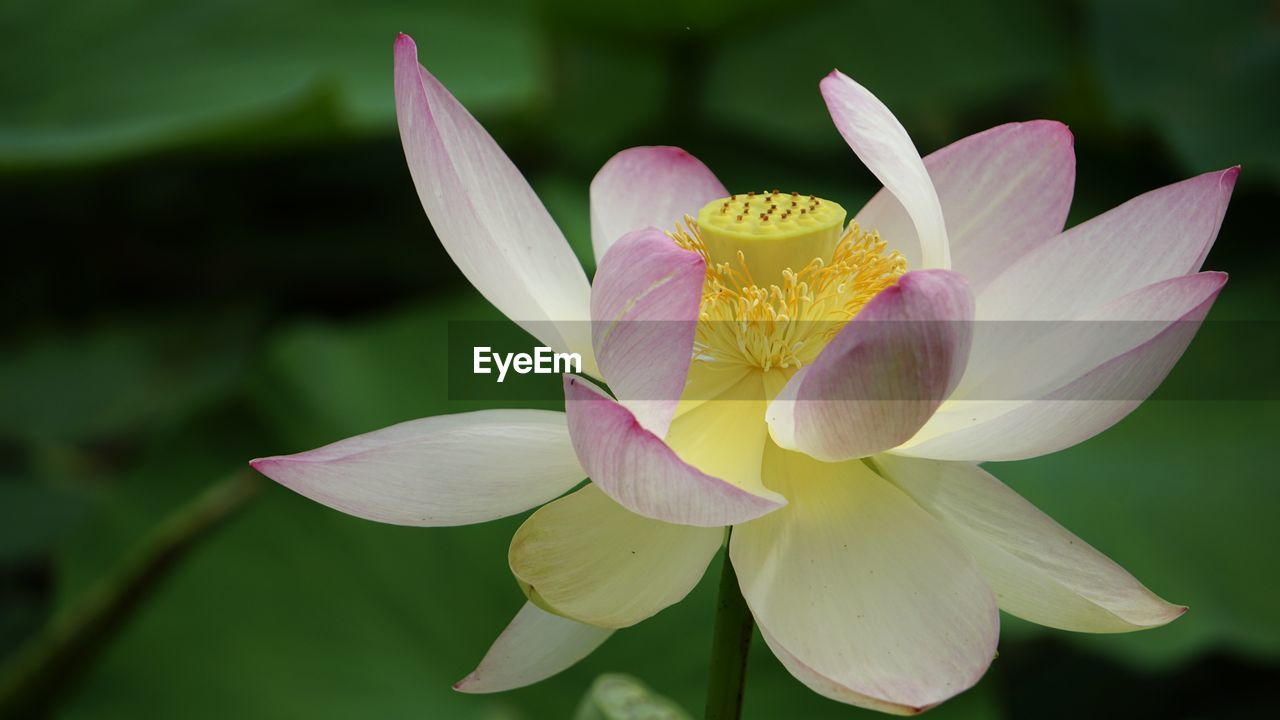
(1040, 571)
(533, 647)
(489, 220)
(882, 144)
(443, 470)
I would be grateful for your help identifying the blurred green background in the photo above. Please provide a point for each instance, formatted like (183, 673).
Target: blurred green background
(215, 252)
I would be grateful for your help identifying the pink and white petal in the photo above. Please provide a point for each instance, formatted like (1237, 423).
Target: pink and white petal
(878, 381)
(586, 557)
(882, 144)
(638, 470)
(1040, 571)
(652, 186)
(488, 218)
(533, 647)
(437, 471)
(1162, 234)
(1088, 396)
(1003, 191)
(869, 600)
(644, 310)
(1025, 360)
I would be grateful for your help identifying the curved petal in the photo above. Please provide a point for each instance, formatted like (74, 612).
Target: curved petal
(586, 557)
(877, 382)
(1163, 234)
(489, 220)
(638, 470)
(882, 144)
(1003, 191)
(654, 186)
(443, 470)
(872, 602)
(644, 311)
(1041, 405)
(533, 647)
(1039, 570)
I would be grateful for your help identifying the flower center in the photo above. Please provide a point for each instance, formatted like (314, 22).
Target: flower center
(773, 231)
(782, 278)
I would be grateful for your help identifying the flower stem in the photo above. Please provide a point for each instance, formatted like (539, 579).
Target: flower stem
(729, 647)
(39, 676)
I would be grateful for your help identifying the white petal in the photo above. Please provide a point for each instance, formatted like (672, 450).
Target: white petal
(586, 557)
(535, 646)
(862, 589)
(882, 144)
(489, 220)
(442, 470)
(1039, 570)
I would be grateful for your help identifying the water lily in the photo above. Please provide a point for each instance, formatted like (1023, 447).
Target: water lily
(825, 389)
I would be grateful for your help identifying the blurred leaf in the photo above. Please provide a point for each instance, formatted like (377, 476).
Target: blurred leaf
(1203, 73)
(118, 378)
(127, 76)
(926, 60)
(568, 201)
(621, 697)
(45, 670)
(654, 18)
(606, 93)
(33, 517)
(323, 382)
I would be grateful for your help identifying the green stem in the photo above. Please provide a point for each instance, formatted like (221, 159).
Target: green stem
(55, 658)
(729, 647)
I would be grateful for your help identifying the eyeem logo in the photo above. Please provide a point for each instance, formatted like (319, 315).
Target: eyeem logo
(542, 362)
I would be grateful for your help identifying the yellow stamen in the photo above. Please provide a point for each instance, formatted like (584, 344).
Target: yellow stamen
(784, 320)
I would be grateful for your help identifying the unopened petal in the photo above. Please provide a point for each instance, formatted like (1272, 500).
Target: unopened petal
(1040, 571)
(443, 470)
(642, 187)
(535, 646)
(586, 557)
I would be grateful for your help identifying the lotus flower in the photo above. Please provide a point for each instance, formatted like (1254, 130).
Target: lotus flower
(826, 390)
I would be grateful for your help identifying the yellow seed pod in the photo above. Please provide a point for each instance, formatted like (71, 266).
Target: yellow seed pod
(773, 231)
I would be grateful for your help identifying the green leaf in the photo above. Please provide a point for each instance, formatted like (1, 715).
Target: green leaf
(108, 79)
(1202, 73)
(927, 60)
